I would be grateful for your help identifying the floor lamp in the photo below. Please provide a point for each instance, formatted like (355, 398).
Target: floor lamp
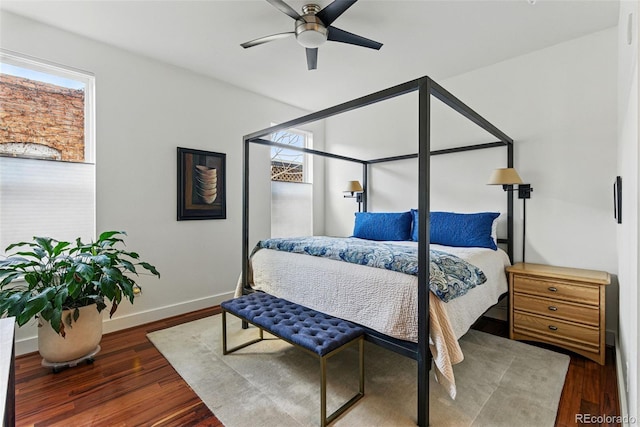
(508, 177)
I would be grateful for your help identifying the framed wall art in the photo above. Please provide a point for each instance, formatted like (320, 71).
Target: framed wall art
(201, 185)
(617, 199)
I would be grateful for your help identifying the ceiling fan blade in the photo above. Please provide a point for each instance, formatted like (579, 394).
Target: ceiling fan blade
(312, 58)
(285, 8)
(334, 10)
(266, 39)
(342, 36)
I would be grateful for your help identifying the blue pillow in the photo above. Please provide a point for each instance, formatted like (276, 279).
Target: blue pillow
(459, 229)
(383, 225)
(414, 225)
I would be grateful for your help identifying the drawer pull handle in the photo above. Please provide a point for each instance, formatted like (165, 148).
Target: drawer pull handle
(553, 328)
(553, 308)
(553, 289)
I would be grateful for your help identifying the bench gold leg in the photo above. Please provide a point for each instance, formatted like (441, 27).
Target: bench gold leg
(323, 392)
(324, 420)
(225, 350)
(361, 362)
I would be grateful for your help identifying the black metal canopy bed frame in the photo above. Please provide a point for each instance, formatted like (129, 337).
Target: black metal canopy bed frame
(426, 88)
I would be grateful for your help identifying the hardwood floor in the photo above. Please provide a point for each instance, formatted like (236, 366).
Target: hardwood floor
(130, 383)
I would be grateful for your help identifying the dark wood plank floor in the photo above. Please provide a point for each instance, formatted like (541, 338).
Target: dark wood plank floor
(130, 383)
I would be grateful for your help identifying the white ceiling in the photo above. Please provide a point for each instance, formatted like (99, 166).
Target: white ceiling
(436, 38)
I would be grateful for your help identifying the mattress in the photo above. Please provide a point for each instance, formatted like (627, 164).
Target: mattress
(383, 300)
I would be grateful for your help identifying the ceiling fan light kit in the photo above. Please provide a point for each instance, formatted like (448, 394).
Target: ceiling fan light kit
(310, 31)
(313, 28)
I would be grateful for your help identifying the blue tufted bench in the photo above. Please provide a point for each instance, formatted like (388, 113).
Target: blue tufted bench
(317, 333)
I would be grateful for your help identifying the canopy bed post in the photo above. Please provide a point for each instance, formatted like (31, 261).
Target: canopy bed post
(365, 185)
(245, 213)
(510, 207)
(424, 355)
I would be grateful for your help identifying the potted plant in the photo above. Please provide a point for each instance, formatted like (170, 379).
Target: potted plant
(66, 286)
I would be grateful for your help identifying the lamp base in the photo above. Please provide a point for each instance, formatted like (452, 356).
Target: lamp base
(524, 191)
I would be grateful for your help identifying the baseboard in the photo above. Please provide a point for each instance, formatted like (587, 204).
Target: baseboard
(136, 319)
(30, 344)
(622, 392)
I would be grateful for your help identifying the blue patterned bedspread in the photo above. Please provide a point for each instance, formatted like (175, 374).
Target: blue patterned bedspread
(450, 276)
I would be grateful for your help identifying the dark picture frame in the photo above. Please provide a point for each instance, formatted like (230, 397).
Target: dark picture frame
(201, 185)
(617, 199)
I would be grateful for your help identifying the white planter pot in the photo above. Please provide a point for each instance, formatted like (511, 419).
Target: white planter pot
(82, 337)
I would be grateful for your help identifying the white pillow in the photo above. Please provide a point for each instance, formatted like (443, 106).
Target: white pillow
(494, 228)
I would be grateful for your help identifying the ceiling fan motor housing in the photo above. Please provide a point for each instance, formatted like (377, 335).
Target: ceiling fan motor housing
(310, 30)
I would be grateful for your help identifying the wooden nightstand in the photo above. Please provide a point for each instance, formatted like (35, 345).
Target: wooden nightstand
(560, 306)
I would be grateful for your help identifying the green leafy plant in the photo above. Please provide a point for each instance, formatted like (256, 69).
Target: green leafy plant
(44, 277)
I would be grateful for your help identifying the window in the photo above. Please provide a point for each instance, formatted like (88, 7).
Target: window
(291, 189)
(291, 165)
(47, 151)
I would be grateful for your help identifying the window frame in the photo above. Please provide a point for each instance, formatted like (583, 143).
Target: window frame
(307, 159)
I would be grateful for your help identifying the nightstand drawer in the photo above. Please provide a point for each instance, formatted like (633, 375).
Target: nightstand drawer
(557, 290)
(557, 309)
(583, 336)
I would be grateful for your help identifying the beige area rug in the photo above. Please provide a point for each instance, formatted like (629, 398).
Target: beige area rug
(500, 382)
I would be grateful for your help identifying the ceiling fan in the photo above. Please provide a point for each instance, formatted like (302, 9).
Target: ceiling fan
(313, 28)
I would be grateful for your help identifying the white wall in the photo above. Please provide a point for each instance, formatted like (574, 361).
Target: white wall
(627, 232)
(558, 104)
(145, 109)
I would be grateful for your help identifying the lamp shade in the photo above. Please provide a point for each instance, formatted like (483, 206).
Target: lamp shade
(354, 187)
(504, 176)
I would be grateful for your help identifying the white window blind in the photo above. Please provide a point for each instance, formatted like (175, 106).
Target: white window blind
(291, 209)
(46, 198)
